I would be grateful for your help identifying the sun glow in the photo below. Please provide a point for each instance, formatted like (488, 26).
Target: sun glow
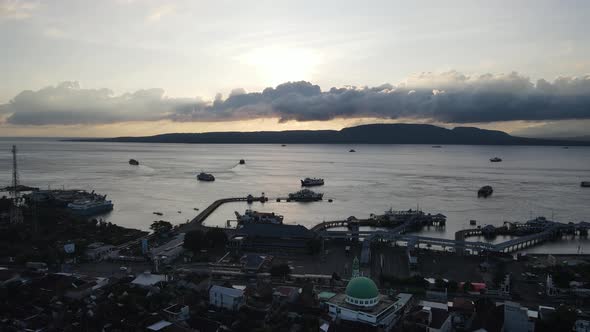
(277, 65)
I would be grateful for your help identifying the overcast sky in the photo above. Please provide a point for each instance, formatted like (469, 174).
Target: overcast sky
(135, 67)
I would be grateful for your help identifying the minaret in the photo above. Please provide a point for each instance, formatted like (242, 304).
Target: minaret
(356, 272)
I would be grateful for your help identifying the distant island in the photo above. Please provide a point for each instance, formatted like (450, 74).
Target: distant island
(364, 134)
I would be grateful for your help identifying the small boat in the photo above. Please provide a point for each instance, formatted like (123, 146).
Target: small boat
(306, 195)
(485, 191)
(283, 145)
(496, 160)
(351, 150)
(158, 213)
(309, 182)
(133, 162)
(205, 177)
(585, 184)
(242, 161)
(437, 146)
(472, 222)
(566, 147)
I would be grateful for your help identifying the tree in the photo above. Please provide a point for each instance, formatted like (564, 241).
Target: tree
(453, 286)
(281, 270)
(161, 226)
(439, 283)
(467, 286)
(194, 240)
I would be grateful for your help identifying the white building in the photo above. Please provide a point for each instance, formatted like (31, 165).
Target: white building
(517, 318)
(228, 298)
(362, 303)
(99, 251)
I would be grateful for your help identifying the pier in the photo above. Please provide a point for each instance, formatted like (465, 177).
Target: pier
(198, 220)
(530, 233)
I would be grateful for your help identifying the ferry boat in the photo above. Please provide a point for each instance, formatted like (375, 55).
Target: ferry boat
(90, 207)
(259, 217)
(393, 215)
(306, 195)
(485, 191)
(133, 162)
(309, 182)
(205, 177)
(585, 184)
(496, 160)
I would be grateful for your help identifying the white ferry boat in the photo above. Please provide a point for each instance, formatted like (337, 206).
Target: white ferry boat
(90, 207)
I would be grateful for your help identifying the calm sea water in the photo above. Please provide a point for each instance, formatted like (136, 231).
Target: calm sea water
(531, 181)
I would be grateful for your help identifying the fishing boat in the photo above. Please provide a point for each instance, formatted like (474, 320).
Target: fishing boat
(309, 182)
(205, 177)
(306, 195)
(485, 191)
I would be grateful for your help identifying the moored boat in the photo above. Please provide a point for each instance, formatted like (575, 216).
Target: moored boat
(205, 177)
(309, 182)
(90, 207)
(259, 217)
(485, 191)
(306, 195)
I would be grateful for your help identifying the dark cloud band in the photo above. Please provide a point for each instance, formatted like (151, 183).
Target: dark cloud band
(449, 97)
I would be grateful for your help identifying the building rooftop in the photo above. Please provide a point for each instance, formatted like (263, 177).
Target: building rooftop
(148, 279)
(227, 291)
(159, 325)
(324, 296)
(275, 231)
(383, 304)
(253, 261)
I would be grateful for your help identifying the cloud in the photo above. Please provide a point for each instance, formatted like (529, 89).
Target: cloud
(556, 129)
(67, 103)
(449, 97)
(17, 9)
(159, 12)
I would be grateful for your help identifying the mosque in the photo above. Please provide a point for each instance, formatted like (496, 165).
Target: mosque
(362, 303)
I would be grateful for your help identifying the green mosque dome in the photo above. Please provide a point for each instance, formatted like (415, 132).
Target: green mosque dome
(362, 288)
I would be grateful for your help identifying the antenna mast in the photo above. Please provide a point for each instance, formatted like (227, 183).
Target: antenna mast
(15, 212)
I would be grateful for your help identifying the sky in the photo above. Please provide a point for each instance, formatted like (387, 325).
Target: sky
(141, 67)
